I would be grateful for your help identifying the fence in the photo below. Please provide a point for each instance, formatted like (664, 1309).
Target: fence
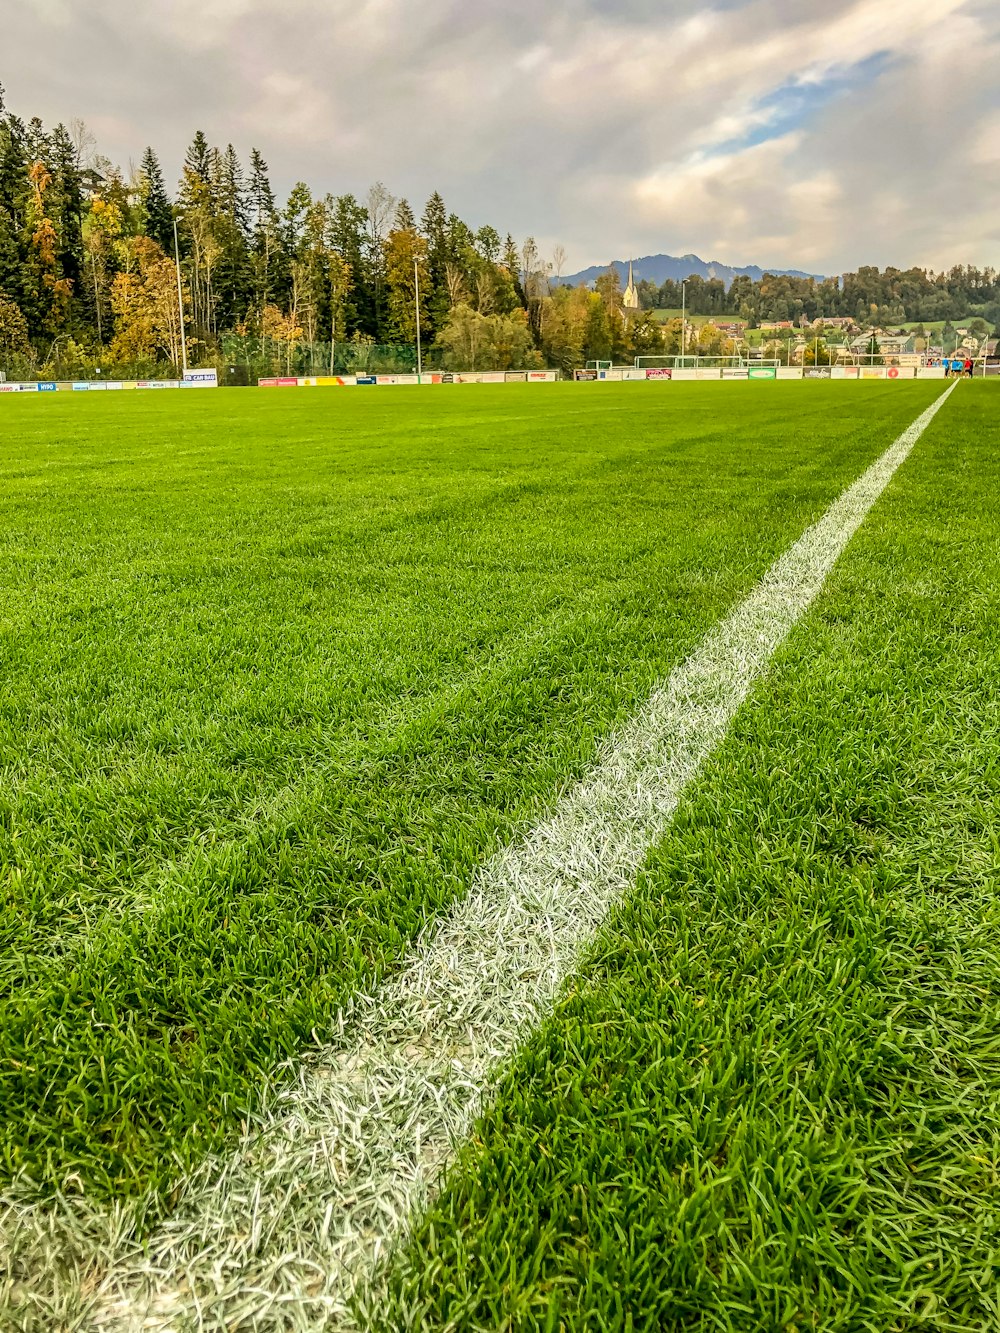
(265, 358)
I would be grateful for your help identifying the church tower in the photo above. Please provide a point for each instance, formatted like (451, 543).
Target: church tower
(630, 300)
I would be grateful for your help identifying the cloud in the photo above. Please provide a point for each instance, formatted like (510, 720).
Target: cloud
(780, 132)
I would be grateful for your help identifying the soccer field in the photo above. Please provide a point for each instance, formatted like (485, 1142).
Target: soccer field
(286, 674)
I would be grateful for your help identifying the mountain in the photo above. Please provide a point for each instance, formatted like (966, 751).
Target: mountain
(657, 268)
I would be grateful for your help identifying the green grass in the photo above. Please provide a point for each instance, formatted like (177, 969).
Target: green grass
(281, 670)
(664, 316)
(771, 1101)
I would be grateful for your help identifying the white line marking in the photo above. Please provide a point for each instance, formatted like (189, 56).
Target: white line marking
(293, 1228)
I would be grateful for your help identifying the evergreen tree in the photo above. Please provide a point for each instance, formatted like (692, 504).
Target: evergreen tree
(159, 213)
(266, 252)
(434, 225)
(198, 159)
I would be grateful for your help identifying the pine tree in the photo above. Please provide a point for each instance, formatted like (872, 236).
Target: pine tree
(346, 221)
(159, 220)
(434, 225)
(265, 234)
(404, 220)
(198, 160)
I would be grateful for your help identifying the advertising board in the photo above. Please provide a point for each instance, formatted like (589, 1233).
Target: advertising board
(659, 373)
(201, 379)
(765, 372)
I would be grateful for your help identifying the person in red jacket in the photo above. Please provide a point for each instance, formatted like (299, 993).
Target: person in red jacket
(968, 366)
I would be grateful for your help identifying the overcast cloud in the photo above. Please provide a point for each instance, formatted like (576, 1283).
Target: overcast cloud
(790, 133)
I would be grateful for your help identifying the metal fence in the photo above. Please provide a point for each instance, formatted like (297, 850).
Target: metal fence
(260, 358)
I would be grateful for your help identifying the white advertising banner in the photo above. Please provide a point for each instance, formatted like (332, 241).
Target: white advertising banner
(201, 379)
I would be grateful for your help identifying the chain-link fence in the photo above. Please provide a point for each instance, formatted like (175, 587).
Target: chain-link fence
(254, 358)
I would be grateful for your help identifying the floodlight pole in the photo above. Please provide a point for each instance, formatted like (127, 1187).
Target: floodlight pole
(180, 298)
(416, 288)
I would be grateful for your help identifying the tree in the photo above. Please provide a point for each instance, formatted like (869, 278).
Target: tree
(198, 160)
(282, 329)
(341, 286)
(159, 213)
(15, 345)
(264, 234)
(405, 256)
(404, 220)
(380, 206)
(471, 341)
(144, 302)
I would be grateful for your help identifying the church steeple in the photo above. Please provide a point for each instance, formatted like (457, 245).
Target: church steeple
(630, 300)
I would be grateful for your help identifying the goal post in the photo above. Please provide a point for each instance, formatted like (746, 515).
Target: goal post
(702, 362)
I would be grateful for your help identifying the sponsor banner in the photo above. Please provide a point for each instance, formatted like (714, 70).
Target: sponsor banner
(817, 373)
(114, 384)
(930, 373)
(267, 384)
(367, 379)
(615, 375)
(201, 379)
(493, 377)
(873, 372)
(659, 373)
(450, 379)
(396, 379)
(550, 376)
(288, 382)
(47, 387)
(515, 377)
(769, 372)
(14, 388)
(843, 372)
(901, 372)
(684, 373)
(157, 384)
(585, 375)
(633, 374)
(130, 384)
(734, 373)
(708, 373)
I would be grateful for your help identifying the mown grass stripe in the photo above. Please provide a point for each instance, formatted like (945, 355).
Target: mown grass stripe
(290, 1230)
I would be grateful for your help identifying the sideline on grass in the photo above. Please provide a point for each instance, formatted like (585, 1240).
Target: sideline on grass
(293, 1229)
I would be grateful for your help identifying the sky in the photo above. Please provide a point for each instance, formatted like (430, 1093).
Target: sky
(813, 134)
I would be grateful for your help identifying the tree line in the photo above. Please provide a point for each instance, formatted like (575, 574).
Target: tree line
(88, 282)
(870, 297)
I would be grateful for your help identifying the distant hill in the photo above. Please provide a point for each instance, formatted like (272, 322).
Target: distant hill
(658, 268)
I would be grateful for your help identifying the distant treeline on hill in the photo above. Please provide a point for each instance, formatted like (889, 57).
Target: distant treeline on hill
(869, 297)
(88, 284)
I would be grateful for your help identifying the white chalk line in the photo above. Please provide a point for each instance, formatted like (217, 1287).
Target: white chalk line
(292, 1231)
